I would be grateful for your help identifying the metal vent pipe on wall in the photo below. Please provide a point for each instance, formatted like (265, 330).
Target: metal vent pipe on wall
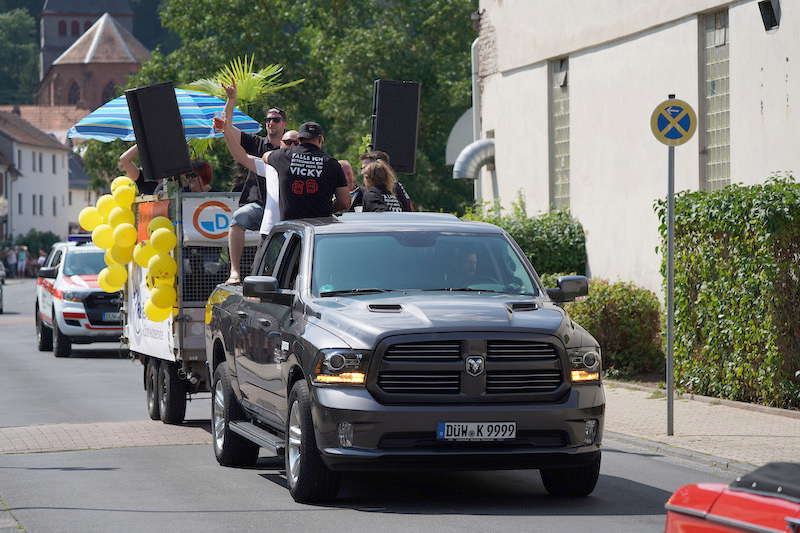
(472, 158)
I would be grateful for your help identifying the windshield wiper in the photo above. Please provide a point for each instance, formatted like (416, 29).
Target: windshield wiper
(352, 291)
(464, 289)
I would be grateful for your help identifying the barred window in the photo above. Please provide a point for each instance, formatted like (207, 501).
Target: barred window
(559, 134)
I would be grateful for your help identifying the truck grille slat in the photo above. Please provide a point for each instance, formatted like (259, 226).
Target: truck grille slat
(519, 351)
(523, 381)
(424, 351)
(433, 383)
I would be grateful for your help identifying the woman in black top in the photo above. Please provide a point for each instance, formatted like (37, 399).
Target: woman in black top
(379, 179)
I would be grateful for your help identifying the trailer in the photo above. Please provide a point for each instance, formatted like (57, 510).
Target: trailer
(172, 352)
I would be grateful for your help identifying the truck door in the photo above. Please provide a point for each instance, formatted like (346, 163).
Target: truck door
(251, 363)
(284, 321)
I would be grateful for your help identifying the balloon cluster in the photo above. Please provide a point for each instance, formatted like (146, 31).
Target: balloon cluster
(111, 222)
(154, 254)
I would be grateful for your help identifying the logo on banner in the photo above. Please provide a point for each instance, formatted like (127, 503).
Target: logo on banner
(212, 219)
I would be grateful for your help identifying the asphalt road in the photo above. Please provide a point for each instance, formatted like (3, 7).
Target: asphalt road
(181, 488)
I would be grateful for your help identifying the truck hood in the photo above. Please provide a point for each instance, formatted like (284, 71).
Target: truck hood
(362, 319)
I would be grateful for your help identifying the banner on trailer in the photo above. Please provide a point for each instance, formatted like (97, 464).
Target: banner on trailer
(145, 336)
(207, 219)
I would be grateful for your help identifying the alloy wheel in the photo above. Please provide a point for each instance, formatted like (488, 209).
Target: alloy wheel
(218, 415)
(293, 449)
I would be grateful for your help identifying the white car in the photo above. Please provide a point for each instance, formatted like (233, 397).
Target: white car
(70, 306)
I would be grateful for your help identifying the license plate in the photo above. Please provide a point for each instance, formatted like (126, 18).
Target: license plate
(476, 430)
(112, 317)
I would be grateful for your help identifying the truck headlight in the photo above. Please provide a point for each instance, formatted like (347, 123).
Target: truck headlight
(586, 364)
(341, 367)
(75, 296)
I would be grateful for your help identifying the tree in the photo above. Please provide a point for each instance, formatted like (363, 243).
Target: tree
(18, 57)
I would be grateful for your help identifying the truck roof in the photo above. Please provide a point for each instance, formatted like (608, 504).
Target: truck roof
(378, 222)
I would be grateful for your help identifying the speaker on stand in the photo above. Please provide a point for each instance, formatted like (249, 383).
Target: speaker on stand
(159, 131)
(395, 122)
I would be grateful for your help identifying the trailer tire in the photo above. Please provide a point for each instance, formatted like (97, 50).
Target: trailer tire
(572, 482)
(44, 335)
(309, 479)
(171, 393)
(151, 386)
(230, 449)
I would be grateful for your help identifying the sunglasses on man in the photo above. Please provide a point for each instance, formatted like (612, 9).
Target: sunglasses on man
(290, 142)
(274, 119)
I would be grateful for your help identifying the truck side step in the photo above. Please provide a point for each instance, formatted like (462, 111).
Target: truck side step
(263, 438)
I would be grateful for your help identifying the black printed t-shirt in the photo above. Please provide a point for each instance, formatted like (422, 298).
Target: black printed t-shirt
(378, 199)
(308, 179)
(357, 197)
(254, 189)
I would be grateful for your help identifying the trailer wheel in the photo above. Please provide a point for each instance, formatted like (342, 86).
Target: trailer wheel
(573, 482)
(230, 449)
(171, 393)
(44, 335)
(309, 479)
(151, 386)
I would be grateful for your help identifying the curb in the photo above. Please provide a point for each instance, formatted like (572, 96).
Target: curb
(788, 413)
(712, 461)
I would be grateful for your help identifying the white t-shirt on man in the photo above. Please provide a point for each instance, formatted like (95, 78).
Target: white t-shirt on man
(272, 210)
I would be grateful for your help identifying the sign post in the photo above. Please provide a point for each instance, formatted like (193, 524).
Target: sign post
(673, 123)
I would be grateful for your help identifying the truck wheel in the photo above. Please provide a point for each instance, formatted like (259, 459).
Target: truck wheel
(171, 393)
(575, 482)
(44, 335)
(309, 479)
(62, 346)
(151, 386)
(230, 449)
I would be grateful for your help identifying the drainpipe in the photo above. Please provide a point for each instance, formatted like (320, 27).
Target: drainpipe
(476, 115)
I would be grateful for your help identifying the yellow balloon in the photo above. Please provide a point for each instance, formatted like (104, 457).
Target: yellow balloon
(124, 196)
(164, 296)
(105, 204)
(108, 259)
(103, 236)
(162, 266)
(117, 275)
(167, 281)
(142, 253)
(155, 313)
(125, 235)
(102, 281)
(121, 254)
(163, 240)
(159, 222)
(89, 218)
(121, 216)
(119, 181)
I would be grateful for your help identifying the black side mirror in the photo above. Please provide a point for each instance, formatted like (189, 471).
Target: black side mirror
(569, 288)
(264, 287)
(48, 272)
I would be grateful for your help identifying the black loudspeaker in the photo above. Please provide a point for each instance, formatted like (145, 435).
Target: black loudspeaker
(159, 131)
(770, 13)
(395, 122)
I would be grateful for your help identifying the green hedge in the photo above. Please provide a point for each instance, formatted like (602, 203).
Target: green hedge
(553, 242)
(625, 320)
(737, 291)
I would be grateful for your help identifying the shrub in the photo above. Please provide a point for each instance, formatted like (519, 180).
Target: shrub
(625, 320)
(37, 240)
(553, 242)
(737, 288)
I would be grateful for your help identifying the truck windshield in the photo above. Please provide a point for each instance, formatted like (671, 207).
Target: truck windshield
(83, 263)
(414, 260)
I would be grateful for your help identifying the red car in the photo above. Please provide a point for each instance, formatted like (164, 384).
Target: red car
(766, 500)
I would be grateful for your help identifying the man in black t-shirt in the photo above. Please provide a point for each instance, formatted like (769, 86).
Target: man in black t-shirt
(309, 177)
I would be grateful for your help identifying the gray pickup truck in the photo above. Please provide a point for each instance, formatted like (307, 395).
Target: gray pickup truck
(407, 341)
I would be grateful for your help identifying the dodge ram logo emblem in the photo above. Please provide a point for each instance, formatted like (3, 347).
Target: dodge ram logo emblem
(475, 365)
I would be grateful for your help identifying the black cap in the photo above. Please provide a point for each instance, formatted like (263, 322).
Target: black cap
(309, 130)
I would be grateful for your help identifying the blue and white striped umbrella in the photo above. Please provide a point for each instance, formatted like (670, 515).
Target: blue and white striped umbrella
(113, 121)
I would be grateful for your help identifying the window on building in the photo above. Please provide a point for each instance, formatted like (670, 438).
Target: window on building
(41, 204)
(19, 203)
(41, 167)
(110, 91)
(19, 159)
(33, 161)
(54, 163)
(69, 197)
(62, 27)
(54, 206)
(87, 25)
(74, 95)
(76, 28)
(34, 204)
(716, 140)
(559, 133)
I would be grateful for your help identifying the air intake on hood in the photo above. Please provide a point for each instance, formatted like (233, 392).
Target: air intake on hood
(385, 308)
(523, 306)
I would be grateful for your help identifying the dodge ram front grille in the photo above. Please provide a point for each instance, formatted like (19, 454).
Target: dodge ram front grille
(522, 381)
(420, 382)
(509, 350)
(424, 351)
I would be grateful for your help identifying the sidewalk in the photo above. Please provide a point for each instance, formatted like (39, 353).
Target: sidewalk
(725, 431)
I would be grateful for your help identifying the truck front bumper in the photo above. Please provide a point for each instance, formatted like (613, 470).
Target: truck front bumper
(403, 437)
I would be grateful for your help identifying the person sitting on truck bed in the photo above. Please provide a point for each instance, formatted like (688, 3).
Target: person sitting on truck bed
(357, 193)
(379, 179)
